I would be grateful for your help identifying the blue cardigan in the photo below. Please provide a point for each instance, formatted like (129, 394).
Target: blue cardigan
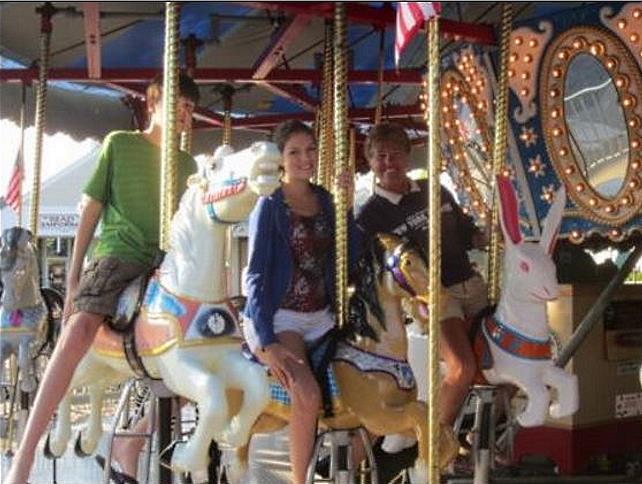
(269, 270)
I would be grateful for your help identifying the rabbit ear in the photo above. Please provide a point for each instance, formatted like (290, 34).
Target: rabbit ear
(553, 221)
(508, 213)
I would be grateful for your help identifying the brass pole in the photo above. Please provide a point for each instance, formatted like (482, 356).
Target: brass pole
(169, 148)
(326, 144)
(341, 161)
(23, 109)
(379, 108)
(434, 244)
(499, 150)
(46, 12)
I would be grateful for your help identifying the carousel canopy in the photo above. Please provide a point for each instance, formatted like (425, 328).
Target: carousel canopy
(266, 54)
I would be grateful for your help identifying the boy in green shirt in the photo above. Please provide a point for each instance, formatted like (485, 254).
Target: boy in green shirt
(124, 194)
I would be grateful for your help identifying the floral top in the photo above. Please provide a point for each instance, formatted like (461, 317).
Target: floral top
(310, 243)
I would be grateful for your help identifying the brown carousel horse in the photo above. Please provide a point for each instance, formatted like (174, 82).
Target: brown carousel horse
(370, 380)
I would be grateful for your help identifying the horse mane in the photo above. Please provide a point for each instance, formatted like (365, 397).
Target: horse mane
(367, 276)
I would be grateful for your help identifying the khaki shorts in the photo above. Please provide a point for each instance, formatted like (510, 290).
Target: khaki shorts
(463, 300)
(102, 282)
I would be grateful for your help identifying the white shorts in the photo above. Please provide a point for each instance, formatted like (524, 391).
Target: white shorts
(311, 326)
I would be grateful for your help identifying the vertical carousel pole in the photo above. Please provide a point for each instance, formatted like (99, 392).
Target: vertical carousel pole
(382, 59)
(46, 12)
(434, 244)
(341, 161)
(23, 109)
(326, 144)
(227, 115)
(169, 149)
(169, 188)
(499, 150)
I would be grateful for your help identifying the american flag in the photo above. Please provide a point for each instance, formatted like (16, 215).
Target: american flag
(13, 197)
(410, 18)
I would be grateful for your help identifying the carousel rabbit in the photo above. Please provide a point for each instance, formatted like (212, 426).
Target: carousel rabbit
(517, 335)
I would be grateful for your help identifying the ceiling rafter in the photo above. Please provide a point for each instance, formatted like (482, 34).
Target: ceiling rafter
(91, 19)
(280, 41)
(380, 17)
(206, 75)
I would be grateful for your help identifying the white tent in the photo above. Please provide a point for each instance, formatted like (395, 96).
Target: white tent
(59, 198)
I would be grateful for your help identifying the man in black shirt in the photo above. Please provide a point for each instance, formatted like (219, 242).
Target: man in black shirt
(399, 206)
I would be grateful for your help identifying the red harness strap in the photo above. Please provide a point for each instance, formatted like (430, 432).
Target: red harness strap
(514, 343)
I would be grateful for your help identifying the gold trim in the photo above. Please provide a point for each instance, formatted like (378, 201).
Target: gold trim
(526, 51)
(11, 331)
(618, 62)
(627, 25)
(454, 86)
(158, 350)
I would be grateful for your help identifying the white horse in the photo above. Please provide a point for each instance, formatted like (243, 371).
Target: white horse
(185, 333)
(517, 334)
(23, 311)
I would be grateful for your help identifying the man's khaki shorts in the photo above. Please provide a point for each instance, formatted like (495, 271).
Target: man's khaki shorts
(102, 282)
(463, 300)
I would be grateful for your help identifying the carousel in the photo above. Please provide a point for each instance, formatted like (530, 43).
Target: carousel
(530, 114)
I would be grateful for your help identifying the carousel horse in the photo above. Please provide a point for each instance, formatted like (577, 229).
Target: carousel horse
(185, 332)
(516, 346)
(27, 311)
(369, 379)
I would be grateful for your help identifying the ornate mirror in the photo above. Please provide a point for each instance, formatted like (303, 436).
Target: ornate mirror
(597, 129)
(591, 117)
(467, 137)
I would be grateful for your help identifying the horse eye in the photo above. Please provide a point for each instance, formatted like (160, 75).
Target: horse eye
(524, 266)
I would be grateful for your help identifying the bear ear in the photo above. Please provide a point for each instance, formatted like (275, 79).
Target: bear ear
(553, 221)
(508, 211)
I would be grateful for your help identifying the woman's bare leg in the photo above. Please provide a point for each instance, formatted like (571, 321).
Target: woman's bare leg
(306, 402)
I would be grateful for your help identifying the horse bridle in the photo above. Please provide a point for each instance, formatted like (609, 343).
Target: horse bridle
(392, 265)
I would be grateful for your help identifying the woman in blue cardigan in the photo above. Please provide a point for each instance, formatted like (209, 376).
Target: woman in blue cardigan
(290, 282)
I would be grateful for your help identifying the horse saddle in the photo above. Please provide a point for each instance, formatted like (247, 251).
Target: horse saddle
(320, 355)
(481, 350)
(129, 304)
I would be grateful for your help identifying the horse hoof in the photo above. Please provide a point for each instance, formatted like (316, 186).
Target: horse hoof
(78, 450)
(47, 449)
(184, 460)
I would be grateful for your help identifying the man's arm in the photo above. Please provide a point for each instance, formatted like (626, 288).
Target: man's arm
(89, 217)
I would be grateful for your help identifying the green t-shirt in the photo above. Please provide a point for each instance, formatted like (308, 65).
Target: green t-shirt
(127, 182)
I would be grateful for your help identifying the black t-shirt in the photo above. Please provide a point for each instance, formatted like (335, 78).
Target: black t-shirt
(409, 220)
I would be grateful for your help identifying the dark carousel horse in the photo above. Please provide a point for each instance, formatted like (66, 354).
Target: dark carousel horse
(30, 318)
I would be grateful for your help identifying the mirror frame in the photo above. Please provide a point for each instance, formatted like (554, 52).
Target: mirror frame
(618, 62)
(454, 85)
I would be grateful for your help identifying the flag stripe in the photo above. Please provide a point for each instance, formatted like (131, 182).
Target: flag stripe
(410, 17)
(14, 190)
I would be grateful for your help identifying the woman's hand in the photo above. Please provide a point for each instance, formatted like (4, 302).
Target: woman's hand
(279, 358)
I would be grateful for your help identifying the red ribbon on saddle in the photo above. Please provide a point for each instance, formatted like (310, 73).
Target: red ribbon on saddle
(515, 343)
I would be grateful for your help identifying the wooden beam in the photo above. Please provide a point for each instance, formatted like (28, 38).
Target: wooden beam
(354, 114)
(280, 41)
(91, 14)
(200, 114)
(214, 75)
(381, 17)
